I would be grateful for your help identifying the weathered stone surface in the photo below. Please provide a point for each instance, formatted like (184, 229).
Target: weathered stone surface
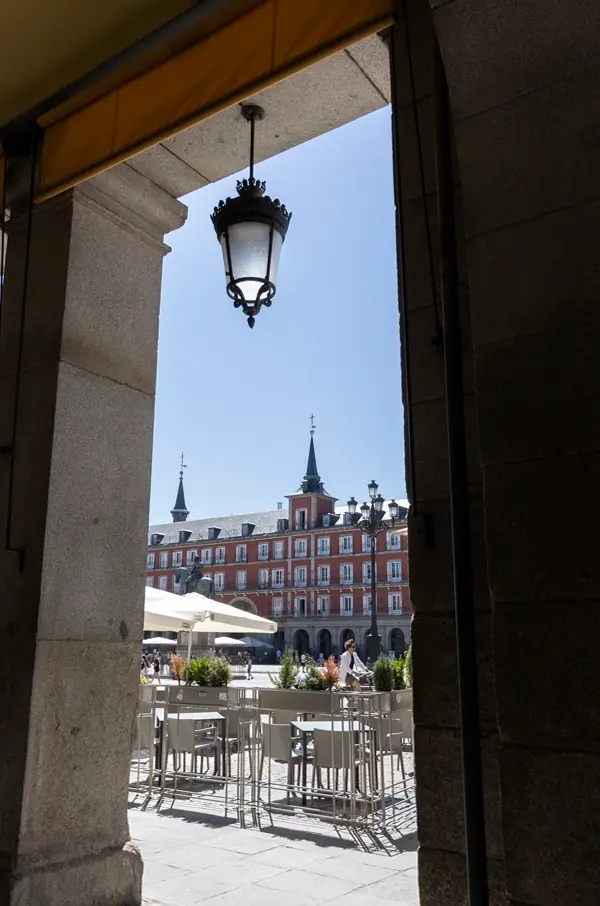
(536, 276)
(551, 820)
(435, 667)
(556, 368)
(534, 552)
(442, 879)
(439, 790)
(557, 699)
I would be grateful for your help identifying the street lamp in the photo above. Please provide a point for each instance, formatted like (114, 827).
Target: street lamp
(373, 521)
(251, 229)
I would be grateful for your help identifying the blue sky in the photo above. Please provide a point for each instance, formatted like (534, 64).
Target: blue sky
(238, 401)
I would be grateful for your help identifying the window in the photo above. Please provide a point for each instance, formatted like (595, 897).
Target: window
(191, 556)
(277, 607)
(300, 607)
(394, 569)
(300, 575)
(367, 543)
(395, 603)
(323, 546)
(366, 571)
(220, 555)
(347, 604)
(323, 605)
(367, 604)
(241, 553)
(150, 561)
(279, 550)
(175, 584)
(240, 579)
(346, 574)
(263, 578)
(301, 517)
(263, 551)
(300, 547)
(150, 581)
(162, 582)
(163, 559)
(177, 558)
(347, 519)
(323, 575)
(394, 541)
(206, 555)
(326, 520)
(219, 581)
(345, 544)
(277, 578)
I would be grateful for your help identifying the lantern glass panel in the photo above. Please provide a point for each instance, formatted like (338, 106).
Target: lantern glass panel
(249, 249)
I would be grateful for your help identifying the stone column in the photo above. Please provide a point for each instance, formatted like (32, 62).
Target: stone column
(525, 92)
(77, 380)
(437, 734)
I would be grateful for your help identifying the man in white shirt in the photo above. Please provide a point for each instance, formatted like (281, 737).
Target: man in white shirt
(351, 663)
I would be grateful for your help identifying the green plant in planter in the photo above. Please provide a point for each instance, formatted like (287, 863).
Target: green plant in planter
(199, 671)
(221, 674)
(408, 667)
(383, 674)
(315, 681)
(399, 673)
(286, 678)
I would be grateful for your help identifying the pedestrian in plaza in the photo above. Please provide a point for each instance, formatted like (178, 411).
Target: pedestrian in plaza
(321, 659)
(249, 667)
(157, 667)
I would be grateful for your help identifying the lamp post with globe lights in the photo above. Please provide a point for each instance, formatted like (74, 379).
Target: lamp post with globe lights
(373, 520)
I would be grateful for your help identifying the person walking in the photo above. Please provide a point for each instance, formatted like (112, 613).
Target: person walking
(249, 667)
(157, 667)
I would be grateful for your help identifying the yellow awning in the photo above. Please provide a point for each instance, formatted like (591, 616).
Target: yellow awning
(264, 45)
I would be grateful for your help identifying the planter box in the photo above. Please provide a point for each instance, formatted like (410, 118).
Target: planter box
(212, 696)
(300, 700)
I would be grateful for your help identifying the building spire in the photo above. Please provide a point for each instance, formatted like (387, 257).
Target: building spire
(312, 483)
(180, 512)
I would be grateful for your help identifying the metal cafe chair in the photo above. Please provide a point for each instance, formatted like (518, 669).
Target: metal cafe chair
(277, 746)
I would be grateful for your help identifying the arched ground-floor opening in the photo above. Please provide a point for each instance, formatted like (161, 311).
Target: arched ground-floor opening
(301, 641)
(397, 641)
(244, 604)
(345, 635)
(324, 643)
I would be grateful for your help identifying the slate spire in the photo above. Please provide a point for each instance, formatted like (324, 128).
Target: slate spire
(180, 512)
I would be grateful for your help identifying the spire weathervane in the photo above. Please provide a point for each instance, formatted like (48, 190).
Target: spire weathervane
(182, 465)
(312, 424)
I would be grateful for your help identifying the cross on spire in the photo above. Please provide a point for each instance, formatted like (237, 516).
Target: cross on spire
(180, 512)
(312, 424)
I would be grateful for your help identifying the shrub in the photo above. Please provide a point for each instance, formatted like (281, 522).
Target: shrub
(408, 667)
(399, 673)
(286, 677)
(177, 667)
(315, 681)
(383, 675)
(198, 671)
(330, 673)
(221, 672)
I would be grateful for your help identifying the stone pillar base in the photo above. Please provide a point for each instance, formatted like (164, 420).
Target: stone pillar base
(112, 877)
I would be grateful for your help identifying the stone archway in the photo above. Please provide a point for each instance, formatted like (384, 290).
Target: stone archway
(301, 641)
(244, 604)
(324, 643)
(397, 641)
(345, 635)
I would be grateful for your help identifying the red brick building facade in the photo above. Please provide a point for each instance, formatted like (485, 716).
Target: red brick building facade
(307, 566)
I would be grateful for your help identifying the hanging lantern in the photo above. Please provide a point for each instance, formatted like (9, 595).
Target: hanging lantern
(251, 229)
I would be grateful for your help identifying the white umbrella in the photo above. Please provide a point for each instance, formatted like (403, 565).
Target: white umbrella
(164, 611)
(255, 643)
(157, 641)
(223, 641)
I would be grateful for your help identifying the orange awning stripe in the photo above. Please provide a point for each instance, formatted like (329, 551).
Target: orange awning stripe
(261, 47)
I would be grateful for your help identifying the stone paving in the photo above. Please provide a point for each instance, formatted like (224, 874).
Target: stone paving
(191, 857)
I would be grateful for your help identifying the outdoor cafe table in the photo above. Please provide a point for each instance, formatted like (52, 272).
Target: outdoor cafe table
(307, 727)
(197, 717)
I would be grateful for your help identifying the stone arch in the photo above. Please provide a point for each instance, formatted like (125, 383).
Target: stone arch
(324, 643)
(244, 604)
(345, 635)
(397, 641)
(301, 641)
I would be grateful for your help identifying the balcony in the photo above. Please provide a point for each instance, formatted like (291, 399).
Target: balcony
(279, 555)
(241, 558)
(345, 581)
(276, 614)
(264, 584)
(324, 583)
(240, 586)
(324, 612)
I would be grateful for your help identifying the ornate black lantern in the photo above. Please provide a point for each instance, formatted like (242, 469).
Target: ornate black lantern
(251, 229)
